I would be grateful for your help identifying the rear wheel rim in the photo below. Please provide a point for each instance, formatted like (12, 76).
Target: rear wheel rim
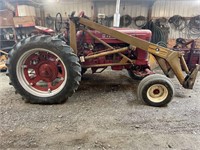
(41, 72)
(157, 93)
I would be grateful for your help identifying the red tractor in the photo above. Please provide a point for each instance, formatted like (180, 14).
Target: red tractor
(47, 69)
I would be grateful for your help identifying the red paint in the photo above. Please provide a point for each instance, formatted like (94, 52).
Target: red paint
(142, 34)
(43, 67)
(85, 39)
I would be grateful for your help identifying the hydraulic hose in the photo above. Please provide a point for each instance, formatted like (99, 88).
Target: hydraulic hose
(157, 33)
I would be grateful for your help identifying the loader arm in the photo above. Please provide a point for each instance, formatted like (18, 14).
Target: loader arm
(167, 59)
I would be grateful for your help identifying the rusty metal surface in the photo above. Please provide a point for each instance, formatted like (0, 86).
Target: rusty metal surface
(3, 60)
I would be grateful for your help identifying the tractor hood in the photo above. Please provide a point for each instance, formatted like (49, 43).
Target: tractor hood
(142, 34)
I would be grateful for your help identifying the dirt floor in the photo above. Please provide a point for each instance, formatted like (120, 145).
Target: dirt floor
(103, 114)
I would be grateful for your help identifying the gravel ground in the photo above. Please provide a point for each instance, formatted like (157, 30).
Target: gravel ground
(103, 114)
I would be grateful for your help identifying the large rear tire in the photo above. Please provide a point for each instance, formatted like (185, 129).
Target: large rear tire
(44, 70)
(156, 90)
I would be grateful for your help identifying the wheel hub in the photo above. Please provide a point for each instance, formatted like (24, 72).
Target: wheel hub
(44, 71)
(48, 71)
(157, 93)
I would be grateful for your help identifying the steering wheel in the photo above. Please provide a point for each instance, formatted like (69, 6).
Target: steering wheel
(58, 22)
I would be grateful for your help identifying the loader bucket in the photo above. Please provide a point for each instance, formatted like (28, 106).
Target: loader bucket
(190, 79)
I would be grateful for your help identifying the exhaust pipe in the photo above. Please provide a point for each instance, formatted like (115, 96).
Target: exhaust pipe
(117, 15)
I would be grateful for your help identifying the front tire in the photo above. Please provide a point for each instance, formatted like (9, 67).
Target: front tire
(156, 90)
(44, 70)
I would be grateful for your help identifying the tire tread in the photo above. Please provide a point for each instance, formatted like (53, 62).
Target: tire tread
(64, 49)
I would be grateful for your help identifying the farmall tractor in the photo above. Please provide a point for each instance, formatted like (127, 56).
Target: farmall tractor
(47, 69)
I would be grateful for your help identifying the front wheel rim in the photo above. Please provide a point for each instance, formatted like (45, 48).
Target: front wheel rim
(157, 93)
(41, 72)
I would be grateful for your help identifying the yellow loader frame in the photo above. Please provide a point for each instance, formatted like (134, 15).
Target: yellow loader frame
(168, 60)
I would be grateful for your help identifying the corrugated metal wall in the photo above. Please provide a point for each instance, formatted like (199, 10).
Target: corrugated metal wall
(169, 8)
(132, 8)
(66, 7)
(161, 8)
